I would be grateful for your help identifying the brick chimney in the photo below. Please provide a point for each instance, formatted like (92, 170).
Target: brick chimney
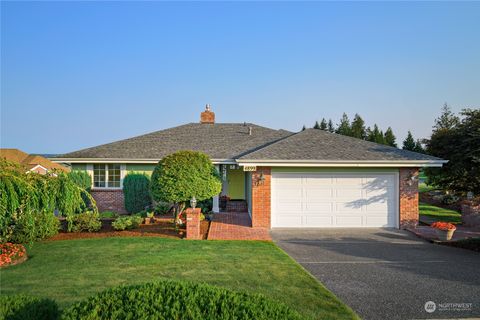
(207, 116)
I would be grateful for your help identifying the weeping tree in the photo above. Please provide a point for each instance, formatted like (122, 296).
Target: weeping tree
(182, 175)
(28, 201)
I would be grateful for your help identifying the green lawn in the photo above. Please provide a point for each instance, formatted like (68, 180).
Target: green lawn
(70, 270)
(439, 214)
(422, 187)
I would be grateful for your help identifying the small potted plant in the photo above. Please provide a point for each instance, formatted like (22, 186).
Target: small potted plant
(444, 230)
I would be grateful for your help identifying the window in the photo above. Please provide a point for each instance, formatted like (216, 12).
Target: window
(106, 175)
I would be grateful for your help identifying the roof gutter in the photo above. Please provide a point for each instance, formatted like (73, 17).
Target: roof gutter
(126, 160)
(340, 163)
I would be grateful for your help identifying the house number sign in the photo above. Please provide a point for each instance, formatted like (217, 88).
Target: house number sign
(250, 168)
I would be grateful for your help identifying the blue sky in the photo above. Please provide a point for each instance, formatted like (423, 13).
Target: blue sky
(79, 74)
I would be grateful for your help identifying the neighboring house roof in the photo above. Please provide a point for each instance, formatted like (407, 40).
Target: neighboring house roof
(28, 161)
(220, 141)
(321, 145)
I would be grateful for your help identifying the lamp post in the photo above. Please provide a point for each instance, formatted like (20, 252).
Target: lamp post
(193, 202)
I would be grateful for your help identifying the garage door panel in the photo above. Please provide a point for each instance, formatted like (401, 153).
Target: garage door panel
(289, 220)
(380, 221)
(289, 193)
(318, 221)
(318, 181)
(334, 200)
(349, 192)
(355, 207)
(319, 193)
(318, 207)
(349, 220)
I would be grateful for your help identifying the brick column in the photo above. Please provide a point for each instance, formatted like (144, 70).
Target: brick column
(408, 189)
(193, 223)
(261, 197)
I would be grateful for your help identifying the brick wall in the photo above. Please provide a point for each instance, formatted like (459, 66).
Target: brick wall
(109, 200)
(261, 197)
(408, 196)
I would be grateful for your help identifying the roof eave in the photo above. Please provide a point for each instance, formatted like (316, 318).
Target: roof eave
(342, 163)
(126, 160)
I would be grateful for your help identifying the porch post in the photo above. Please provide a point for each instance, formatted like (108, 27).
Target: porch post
(216, 207)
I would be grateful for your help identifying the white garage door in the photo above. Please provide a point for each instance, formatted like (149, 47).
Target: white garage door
(334, 200)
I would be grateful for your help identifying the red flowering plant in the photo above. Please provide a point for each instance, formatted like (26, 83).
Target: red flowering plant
(10, 253)
(443, 225)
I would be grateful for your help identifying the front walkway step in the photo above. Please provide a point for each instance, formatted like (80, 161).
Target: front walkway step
(235, 226)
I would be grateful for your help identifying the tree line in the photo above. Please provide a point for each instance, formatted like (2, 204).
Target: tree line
(359, 130)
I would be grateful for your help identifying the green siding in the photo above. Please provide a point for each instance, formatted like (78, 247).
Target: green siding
(140, 168)
(236, 183)
(331, 169)
(79, 166)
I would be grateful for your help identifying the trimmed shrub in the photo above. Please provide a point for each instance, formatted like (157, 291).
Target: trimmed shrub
(86, 221)
(162, 208)
(126, 223)
(136, 189)
(81, 179)
(178, 300)
(37, 226)
(205, 205)
(182, 175)
(109, 215)
(23, 307)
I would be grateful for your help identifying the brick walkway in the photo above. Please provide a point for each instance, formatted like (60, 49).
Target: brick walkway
(235, 226)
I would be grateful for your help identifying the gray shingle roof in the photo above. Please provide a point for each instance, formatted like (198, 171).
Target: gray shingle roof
(219, 141)
(313, 144)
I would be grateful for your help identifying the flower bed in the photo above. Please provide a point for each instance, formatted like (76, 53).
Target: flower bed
(12, 254)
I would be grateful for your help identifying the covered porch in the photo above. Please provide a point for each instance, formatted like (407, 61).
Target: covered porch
(236, 190)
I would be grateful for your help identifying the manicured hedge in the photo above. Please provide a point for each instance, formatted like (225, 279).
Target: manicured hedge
(24, 307)
(177, 300)
(136, 189)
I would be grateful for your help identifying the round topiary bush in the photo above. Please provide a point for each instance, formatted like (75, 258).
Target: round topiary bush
(177, 300)
(23, 307)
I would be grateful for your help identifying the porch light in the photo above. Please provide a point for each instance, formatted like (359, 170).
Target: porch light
(411, 179)
(261, 180)
(193, 202)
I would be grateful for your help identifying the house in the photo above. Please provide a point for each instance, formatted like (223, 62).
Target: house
(312, 178)
(31, 162)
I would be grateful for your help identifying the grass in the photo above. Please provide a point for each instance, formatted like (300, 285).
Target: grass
(439, 214)
(423, 187)
(68, 271)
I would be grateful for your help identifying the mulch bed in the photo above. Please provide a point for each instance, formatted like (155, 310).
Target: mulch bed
(163, 227)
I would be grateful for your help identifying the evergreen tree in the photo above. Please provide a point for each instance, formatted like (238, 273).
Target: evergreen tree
(344, 126)
(379, 137)
(303, 129)
(323, 124)
(368, 134)
(447, 119)
(390, 138)
(316, 126)
(358, 127)
(331, 128)
(418, 147)
(373, 134)
(409, 142)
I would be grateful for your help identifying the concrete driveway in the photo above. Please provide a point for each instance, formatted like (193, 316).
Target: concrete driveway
(388, 274)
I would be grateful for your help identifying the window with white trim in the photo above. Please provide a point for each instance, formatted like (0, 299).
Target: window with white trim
(106, 175)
